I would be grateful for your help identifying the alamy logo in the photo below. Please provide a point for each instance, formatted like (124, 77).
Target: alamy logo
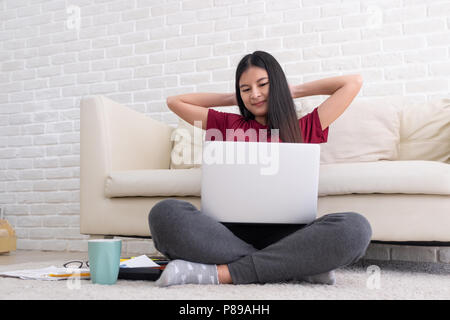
(74, 281)
(375, 17)
(374, 279)
(231, 152)
(74, 19)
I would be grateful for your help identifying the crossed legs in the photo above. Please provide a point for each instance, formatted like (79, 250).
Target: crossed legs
(181, 231)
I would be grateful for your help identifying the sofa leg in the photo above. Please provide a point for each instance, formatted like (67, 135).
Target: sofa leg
(99, 236)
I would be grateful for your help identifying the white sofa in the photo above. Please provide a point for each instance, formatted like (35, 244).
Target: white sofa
(390, 163)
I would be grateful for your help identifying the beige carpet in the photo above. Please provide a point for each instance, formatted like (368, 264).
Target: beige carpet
(389, 280)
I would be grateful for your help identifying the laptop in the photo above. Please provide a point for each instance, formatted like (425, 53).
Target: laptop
(260, 182)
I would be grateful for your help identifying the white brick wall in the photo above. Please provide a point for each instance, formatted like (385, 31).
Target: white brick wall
(138, 52)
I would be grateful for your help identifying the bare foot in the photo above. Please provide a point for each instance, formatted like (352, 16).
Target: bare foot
(224, 274)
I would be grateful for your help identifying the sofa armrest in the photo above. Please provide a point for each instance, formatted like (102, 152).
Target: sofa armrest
(114, 138)
(123, 138)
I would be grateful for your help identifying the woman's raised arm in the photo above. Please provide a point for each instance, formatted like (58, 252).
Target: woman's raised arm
(342, 91)
(193, 107)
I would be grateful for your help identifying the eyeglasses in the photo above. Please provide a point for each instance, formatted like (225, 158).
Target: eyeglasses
(75, 264)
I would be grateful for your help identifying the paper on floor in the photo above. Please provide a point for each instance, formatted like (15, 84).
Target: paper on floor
(45, 273)
(139, 262)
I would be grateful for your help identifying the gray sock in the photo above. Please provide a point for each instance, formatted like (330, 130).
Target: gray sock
(186, 272)
(322, 278)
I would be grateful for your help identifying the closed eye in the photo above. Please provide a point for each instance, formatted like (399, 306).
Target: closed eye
(261, 85)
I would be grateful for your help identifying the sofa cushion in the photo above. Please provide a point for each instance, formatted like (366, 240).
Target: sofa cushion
(365, 132)
(425, 131)
(409, 177)
(188, 142)
(187, 146)
(152, 183)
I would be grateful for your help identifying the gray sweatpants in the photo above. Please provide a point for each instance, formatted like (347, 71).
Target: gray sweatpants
(259, 253)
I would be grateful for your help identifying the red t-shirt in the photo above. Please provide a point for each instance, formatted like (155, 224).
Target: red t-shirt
(309, 126)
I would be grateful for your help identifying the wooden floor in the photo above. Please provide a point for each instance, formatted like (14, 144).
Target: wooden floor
(24, 256)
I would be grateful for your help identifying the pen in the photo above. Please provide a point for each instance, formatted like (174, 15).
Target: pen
(125, 259)
(69, 275)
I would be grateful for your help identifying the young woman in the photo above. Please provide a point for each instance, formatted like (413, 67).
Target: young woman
(205, 251)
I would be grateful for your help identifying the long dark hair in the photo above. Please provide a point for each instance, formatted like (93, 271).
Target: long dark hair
(281, 108)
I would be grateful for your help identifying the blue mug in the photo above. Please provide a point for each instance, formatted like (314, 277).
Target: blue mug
(104, 260)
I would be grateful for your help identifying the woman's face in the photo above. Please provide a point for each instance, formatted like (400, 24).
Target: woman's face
(254, 90)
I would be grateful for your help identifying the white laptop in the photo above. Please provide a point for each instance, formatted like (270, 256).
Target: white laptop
(260, 182)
